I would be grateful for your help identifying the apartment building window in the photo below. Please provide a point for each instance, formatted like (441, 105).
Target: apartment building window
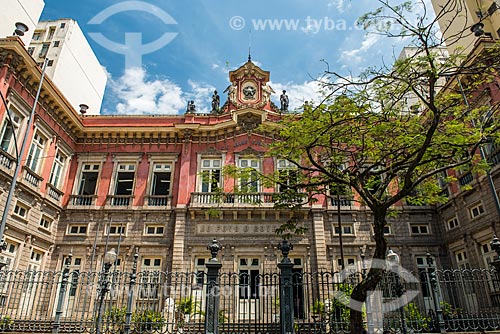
(151, 229)
(249, 276)
(57, 169)
(488, 254)
(461, 257)
(347, 229)
(52, 30)
(210, 175)
(375, 179)
(117, 229)
(476, 210)
(349, 263)
(9, 255)
(31, 50)
(200, 269)
(288, 174)
(423, 269)
(387, 230)
(149, 284)
(37, 36)
(420, 229)
(35, 154)
(44, 50)
(46, 223)
(88, 179)
(162, 175)
(63, 25)
(21, 210)
(452, 223)
(10, 128)
(74, 269)
(50, 62)
(249, 179)
(35, 262)
(124, 184)
(56, 44)
(77, 229)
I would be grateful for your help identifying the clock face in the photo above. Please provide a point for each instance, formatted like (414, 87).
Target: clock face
(249, 91)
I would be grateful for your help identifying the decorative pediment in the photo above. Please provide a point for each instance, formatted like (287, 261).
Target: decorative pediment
(249, 121)
(249, 152)
(211, 151)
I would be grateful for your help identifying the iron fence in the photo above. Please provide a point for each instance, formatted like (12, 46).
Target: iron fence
(249, 302)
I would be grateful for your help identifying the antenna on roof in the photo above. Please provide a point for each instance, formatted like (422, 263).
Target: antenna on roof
(249, 44)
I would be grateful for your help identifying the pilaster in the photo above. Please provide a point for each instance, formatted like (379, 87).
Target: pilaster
(318, 227)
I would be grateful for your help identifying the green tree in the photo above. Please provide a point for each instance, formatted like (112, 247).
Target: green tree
(365, 137)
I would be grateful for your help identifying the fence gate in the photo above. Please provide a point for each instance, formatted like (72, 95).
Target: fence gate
(249, 303)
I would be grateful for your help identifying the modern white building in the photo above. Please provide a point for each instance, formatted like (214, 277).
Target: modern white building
(72, 64)
(411, 101)
(25, 11)
(462, 22)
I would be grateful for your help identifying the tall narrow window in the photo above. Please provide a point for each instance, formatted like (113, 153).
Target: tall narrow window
(88, 179)
(288, 175)
(249, 278)
(161, 179)
(36, 152)
(9, 255)
(124, 185)
(35, 260)
(52, 30)
(9, 130)
(249, 180)
(57, 169)
(125, 179)
(149, 284)
(44, 50)
(210, 175)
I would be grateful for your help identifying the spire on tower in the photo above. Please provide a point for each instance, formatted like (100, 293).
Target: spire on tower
(250, 45)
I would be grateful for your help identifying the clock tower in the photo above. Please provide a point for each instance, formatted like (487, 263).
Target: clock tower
(249, 88)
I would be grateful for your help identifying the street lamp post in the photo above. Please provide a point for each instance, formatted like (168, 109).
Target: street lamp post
(109, 259)
(431, 274)
(495, 245)
(363, 264)
(393, 263)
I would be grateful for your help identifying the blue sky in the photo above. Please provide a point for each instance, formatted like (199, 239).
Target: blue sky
(213, 36)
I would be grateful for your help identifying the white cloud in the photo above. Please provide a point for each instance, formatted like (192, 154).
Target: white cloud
(297, 93)
(340, 5)
(201, 94)
(357, 55)
(137, 94)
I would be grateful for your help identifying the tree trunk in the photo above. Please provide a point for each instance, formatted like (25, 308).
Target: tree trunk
(373, 276)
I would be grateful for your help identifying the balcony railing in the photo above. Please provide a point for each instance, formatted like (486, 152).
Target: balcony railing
(6, 159)
(232, 199)
(343, 200)
(159, 200)
(465, 178)
(54, 192)
(494, 157)
(31, 177)
(83, 200)
(119, 200)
